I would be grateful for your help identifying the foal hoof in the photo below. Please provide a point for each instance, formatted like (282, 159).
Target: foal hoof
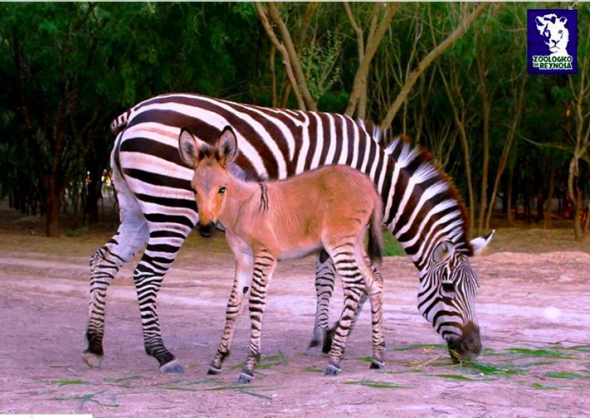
(92, 360)
(377, 364)
(245, 377)
(172, 367)
(213, 370)
(332, 370)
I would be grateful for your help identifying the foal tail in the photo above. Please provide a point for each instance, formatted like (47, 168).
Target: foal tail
(375, 247)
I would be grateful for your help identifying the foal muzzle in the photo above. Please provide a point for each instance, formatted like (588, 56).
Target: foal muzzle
(206, 230)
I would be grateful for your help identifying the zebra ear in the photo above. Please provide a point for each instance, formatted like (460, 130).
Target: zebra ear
(443, 251)
(226, 149)
(481, 243)
(190, 148)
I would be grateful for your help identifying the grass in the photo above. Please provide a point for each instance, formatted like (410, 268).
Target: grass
(375, 384)
(540, 352)
(391, 248)
(267, 362)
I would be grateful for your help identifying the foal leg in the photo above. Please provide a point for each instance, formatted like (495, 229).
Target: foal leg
(264, 265)
(374, 289)
(325, 276)
(235, 305)
(354, 285)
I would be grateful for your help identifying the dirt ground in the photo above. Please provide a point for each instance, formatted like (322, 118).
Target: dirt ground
(533, 307)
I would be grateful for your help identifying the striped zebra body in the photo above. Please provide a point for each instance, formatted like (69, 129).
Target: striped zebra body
(158, 206)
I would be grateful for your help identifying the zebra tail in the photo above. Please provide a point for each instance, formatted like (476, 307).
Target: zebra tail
(375, 246)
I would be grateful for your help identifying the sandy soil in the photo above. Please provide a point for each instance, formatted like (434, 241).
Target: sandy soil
(43, 311)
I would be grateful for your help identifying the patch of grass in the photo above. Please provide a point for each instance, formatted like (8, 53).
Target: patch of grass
(567, 375)
(414, 346)
(267, 362)
(490, 369)
(313, 370)
(539, 386)
(65, 382)
(583, 348)
(391, 247)
(461, 377)
(540, 352)
(375, 384)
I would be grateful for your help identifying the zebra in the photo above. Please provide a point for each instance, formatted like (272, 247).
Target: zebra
(158, 209)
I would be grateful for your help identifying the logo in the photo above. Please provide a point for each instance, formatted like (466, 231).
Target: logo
(552, 42)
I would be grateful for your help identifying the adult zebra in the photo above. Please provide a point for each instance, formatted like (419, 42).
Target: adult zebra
(157, 204)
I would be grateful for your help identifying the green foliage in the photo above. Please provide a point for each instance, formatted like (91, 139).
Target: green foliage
(390, 246)
(319, 63)
(82, 64)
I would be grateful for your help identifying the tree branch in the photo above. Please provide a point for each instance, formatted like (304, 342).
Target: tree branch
(281, 48)
(443, 46)
(360, 79)
(293, 58)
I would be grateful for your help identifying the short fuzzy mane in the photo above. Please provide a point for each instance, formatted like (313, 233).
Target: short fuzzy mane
(425, 157)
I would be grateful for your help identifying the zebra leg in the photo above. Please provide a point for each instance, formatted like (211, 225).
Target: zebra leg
(235, 305)
(131, 236)
(148, 277)
(264, 265)
(354, 285)
(325, 275)
(329, 335)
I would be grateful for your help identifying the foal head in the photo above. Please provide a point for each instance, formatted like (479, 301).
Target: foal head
(211, 180)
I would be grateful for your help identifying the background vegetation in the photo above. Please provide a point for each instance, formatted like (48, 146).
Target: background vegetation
(450, 76)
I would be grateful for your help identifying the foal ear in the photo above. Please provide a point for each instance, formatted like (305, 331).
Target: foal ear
(226, 148)
(443, 251)
(190, 148)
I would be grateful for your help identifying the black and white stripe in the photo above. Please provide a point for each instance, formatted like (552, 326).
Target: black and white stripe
(158, 206)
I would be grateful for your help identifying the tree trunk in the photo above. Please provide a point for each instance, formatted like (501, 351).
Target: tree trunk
(483, 200)
(359, 87)
(507, 146)
(509, 197)
(578, 202)
(53, 203)
(549, 201)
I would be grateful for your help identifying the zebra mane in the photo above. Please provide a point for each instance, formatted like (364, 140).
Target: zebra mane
(374, 130)
(416, 159)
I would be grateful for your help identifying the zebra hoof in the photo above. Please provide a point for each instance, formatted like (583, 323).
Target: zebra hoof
(245, 377)
(172, 367)
(332, 370)
(318, 336)
(92, 360)
(328, 337)
(213, 370)
(377, 364)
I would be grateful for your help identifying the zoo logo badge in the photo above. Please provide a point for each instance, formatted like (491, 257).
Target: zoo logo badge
(552, 41)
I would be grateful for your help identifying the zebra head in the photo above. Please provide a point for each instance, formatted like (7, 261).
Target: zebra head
(446, 296)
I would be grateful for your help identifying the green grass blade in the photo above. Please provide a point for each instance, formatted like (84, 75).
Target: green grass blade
(567, 375)
(65, 382)
(375, 384)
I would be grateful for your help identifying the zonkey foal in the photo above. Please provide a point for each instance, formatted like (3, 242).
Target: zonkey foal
(265, 222)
